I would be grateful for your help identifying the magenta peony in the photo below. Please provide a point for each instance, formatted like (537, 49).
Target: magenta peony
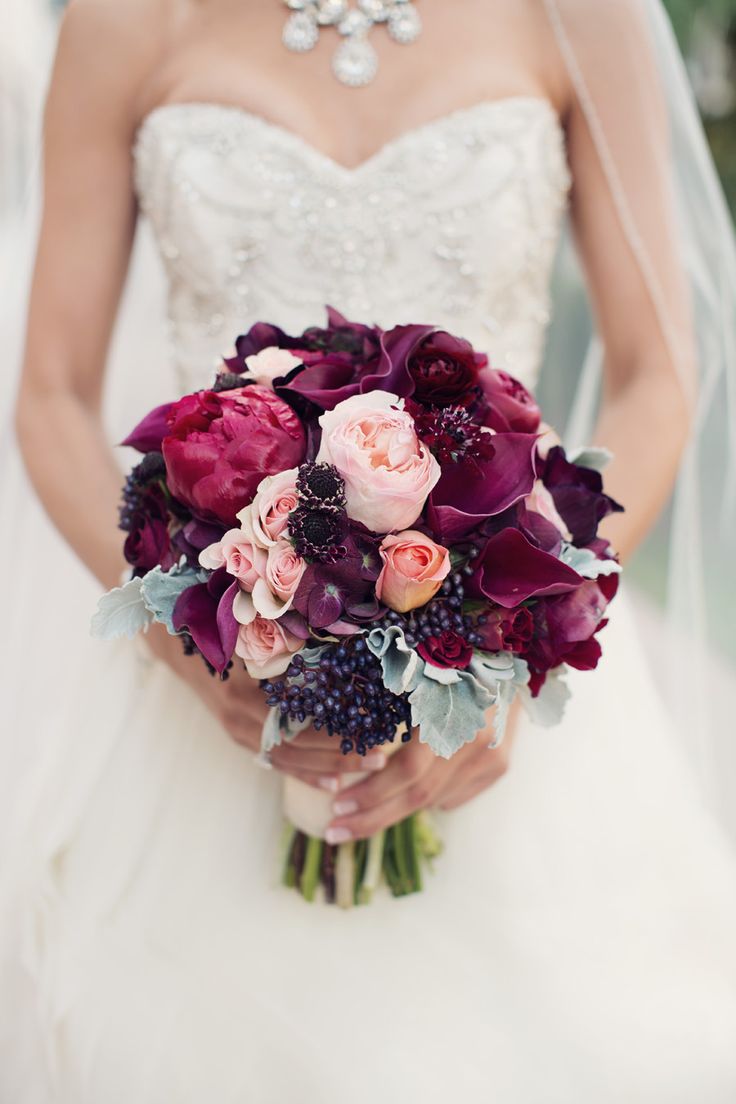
(219, 447)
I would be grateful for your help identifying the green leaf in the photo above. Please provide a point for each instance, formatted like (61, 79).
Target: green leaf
(162, 589)
(401, 665)
(121, 612)
(451, 716)
(586, 563)
(596, 458)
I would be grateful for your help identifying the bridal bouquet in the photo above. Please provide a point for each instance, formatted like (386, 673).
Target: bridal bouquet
(379, 526)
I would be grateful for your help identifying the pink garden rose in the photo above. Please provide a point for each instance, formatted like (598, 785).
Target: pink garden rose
(414, 567)
(273, 592)
(240, 557)
(220, 445)
(266, 647)
(268, 514)
(513, 409)
(388, 472)
(270, 364)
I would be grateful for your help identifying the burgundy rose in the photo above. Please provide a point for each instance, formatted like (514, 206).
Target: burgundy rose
(449, 649)
(504, 630)
(512, 409)
(445, 370)
(220, 446)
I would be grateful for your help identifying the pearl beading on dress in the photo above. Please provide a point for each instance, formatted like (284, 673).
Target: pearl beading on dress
(455, 222)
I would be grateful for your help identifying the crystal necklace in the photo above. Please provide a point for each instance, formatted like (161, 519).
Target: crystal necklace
(355, 61)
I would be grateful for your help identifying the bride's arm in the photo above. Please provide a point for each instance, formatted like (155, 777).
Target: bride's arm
(626, 237)
(83, 254)
(106, 52)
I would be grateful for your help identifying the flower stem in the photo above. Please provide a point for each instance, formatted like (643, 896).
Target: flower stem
(345, 875)
(373, 866)
(312, 867)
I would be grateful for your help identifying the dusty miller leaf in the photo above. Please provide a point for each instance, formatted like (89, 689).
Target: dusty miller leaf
(121, 613)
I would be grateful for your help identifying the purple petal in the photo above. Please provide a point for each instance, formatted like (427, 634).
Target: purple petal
(325, 607)
(469, 493)
(148, 434)
(392, 373)
(294, 623)
(227, 626)
(196, 611)
(343, 628)
(510, 570)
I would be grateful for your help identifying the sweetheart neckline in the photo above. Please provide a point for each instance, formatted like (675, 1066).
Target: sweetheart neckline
(291, 137)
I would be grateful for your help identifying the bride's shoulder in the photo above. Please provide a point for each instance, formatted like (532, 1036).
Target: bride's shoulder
(598, 20)
(111, 50)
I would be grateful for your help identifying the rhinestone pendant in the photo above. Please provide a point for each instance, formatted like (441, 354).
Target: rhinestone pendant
(301, 32)
(404, 24)
(355, 62)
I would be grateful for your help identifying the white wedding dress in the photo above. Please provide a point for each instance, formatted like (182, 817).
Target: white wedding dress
(576, 941)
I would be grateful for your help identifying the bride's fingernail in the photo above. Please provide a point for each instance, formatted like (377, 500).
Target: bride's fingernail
(346, 807)
(374, 762)
(338, 835)
(330, 784)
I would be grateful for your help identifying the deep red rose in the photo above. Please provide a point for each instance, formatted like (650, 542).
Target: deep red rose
(512, 409)
(220, 446)
(449, 649)
(506, 630)
(445, 370)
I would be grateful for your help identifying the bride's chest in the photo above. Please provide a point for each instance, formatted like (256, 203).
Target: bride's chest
(463, 210)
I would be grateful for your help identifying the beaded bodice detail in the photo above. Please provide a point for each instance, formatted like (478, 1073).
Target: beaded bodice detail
(454, 223)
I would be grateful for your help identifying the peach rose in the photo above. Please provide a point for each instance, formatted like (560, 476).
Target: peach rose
(414, 567)
(388, 472)
(266, 648)
(273, 593)
(239, 555)
(269, 364)
(267, 517)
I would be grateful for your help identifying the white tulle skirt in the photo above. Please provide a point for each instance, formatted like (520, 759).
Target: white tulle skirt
(574, 945)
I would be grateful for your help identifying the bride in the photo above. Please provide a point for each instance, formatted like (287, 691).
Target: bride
(575, 942)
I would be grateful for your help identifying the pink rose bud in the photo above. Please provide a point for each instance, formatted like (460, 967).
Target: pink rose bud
(414, 567)
(275, 499)
(266, 647)
(238, 555)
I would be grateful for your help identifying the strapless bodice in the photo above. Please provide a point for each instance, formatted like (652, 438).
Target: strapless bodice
(454, 223)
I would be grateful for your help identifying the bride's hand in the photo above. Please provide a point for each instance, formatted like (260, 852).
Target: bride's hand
(414, 779)
(240, 706)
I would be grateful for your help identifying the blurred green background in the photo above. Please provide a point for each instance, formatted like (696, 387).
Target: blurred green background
(706, 30)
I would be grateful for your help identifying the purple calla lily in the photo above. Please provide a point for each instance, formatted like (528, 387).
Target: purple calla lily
(150, 432)
(471, 492)
(205, 611)
(510, 569)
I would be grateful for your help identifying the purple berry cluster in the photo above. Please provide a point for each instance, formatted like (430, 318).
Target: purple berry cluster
(344, 694)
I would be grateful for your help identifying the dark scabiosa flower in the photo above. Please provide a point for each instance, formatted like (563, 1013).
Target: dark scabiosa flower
(228, 381)
(319, 535)
(451, 435)
(320, 487)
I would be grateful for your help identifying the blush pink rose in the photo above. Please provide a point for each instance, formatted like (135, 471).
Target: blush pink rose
(388, 472)
(414, 567)
(239, 555)
(275, 499)
(266, 647)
